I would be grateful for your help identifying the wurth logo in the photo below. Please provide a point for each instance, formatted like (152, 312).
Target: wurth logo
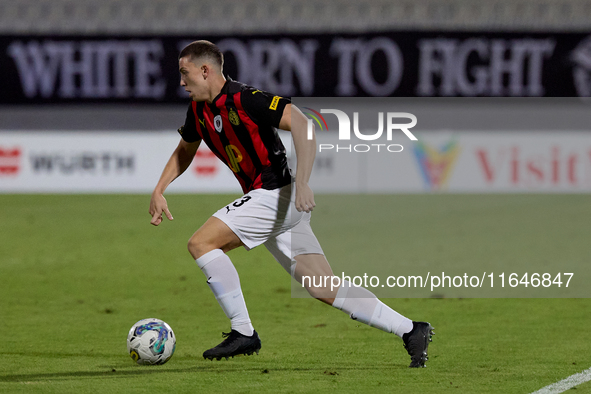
(83, 162)
(9, 161)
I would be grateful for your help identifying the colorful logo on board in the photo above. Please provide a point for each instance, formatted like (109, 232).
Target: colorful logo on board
(436, 164)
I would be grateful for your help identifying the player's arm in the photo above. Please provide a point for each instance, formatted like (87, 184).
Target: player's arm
(177, 164)
(295, 121)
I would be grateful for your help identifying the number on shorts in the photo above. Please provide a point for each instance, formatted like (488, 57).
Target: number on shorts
(241, 202)
(238, 204)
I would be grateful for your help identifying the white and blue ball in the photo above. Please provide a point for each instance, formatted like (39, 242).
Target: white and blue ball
(151, 342)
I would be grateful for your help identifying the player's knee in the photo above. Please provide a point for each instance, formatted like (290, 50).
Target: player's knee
(319, 287)
(197, 247)
(315, 292)
(325, 295)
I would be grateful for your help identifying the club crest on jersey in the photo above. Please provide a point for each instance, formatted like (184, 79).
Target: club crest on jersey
(233, 117)
(217, 122)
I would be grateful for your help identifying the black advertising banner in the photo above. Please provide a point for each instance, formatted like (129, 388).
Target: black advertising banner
(63, 69)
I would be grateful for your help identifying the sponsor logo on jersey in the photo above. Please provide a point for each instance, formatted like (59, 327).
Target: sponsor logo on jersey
(217, 122)
(234, 157)
(233, 117)
(274, 103)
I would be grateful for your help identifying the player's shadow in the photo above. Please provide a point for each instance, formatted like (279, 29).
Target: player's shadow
(112, 373)
(40, 377)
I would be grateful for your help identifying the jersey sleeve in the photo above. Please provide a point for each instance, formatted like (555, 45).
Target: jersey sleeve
(263, 107)
(189, 130)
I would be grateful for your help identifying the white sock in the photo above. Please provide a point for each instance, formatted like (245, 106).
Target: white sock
(362, 305)
(223, 280)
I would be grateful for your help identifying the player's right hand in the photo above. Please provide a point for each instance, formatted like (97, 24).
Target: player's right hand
(304, 201)
(158, 205)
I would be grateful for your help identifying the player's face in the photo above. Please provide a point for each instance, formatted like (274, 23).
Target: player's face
(193, 79)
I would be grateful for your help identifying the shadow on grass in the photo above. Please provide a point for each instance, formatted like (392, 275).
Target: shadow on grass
(151, 370)
(86, 374)
(122, 367)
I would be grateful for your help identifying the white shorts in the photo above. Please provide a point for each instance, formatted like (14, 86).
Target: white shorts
(269, 217)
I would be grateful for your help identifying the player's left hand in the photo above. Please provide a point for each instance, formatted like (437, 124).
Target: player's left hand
(304, 198)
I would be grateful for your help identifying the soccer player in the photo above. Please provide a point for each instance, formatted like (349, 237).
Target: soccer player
(239, 123)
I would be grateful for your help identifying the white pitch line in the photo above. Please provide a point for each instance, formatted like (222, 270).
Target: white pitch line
(566, 384)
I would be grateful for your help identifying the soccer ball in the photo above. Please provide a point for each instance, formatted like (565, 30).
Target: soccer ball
(151, 342)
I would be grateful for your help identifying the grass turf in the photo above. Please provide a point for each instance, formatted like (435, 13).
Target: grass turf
(77, 271)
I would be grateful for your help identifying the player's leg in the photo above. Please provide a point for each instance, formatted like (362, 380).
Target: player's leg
(310, 267)
(213, 234)
(359, 303)
(208, 246)
(249, 220)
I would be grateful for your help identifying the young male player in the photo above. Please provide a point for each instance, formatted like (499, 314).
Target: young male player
(239, 123)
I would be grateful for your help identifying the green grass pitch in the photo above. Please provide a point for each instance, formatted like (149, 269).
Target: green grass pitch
(78, 270)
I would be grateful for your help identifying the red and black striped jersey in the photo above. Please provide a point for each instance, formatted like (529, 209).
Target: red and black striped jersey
(239, 127)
